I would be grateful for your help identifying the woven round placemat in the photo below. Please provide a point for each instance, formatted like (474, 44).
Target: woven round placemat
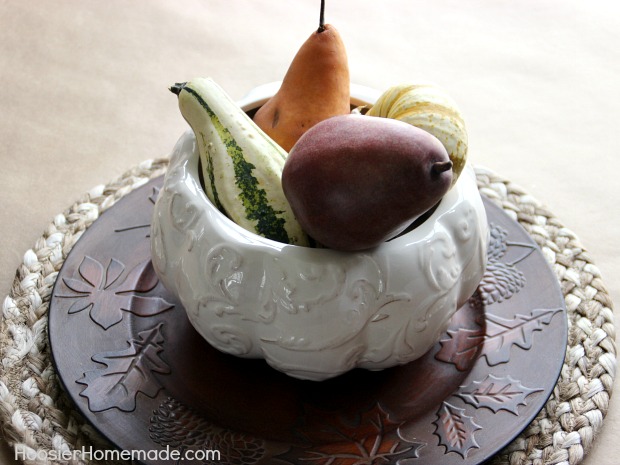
(39, 421)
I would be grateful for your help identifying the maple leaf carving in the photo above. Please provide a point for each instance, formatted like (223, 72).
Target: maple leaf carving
(108, 291)
(456, 430)
(502, 334)
(127, 372)
(496, 393)
(363, 440)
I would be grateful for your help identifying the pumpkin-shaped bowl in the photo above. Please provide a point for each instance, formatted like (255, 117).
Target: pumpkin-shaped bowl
(315, 313)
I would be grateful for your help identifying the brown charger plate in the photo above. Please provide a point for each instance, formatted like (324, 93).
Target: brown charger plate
(136, 369)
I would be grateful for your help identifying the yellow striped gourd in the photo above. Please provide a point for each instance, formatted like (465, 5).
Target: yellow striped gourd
(430, 108)
(242, 166)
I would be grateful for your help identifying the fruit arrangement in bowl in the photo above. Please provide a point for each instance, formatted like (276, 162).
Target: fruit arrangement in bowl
(319, 227)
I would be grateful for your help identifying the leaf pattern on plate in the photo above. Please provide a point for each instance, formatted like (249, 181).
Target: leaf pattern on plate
(502, 333)
(365, 439)
(461, 347)
(108, 291)
(496, 393)
(181, 428)
(456, 430)
(127, 372)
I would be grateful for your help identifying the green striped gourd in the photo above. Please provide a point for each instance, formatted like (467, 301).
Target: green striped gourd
(430, 108)
(241, 165)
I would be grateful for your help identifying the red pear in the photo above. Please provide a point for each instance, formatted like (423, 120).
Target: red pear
(355, 181)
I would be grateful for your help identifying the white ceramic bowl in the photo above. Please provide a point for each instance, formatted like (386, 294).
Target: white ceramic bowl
(315, 313)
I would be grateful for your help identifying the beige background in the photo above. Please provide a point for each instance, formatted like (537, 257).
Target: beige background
(83, 96)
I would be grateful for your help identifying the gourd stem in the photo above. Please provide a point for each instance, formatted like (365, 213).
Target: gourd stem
(177, 87)
(322, 18)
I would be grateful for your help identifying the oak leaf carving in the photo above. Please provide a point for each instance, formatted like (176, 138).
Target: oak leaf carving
(127, 372)
(461, 347)
(502, 333)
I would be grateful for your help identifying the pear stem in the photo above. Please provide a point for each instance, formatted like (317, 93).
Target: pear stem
(322, 18)
(441, 166)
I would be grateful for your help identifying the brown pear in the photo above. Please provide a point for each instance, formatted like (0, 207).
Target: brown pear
(315, 87)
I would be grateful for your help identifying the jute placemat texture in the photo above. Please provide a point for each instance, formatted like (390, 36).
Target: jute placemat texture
(36, 415)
